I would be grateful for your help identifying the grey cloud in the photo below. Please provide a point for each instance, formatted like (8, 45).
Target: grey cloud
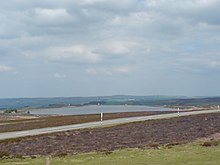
(194, 11)
(153, 38)
(125, 7)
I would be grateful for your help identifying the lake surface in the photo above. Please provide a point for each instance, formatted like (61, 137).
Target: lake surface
(94, 109)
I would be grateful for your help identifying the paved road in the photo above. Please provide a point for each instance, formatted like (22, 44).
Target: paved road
(16, 134)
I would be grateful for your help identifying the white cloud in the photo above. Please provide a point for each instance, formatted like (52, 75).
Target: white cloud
(122, 69)
(4, 68)
(214, 64)
(118, 47)
(74, 53)
(108, 70)
(90, 1)
(91, 71)
(119, 51)
(49, 17)
(58, 75)
(51, 13)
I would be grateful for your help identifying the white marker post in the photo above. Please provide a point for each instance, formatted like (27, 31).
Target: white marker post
(101, 117)
(218, 107)
(178, 111)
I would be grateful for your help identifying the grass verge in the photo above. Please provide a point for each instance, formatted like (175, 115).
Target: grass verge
(184, 154)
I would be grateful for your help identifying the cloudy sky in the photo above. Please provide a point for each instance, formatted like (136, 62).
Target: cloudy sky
(105, 47)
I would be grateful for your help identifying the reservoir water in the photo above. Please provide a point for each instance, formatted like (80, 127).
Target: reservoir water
(94, 109)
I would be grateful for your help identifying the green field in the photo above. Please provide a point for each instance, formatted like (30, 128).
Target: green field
(188, 154)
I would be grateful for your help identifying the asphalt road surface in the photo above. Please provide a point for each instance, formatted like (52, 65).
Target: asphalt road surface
(16, 134)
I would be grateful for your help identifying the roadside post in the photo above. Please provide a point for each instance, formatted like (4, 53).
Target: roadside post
(47, 161)
(101, 117)
(178, 111)
(218, 107)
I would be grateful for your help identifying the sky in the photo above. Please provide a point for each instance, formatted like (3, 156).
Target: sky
(63, 48)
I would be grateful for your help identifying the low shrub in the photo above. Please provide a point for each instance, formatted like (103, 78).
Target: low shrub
(18, 156)
(33, 157)
(4, 154)
(60, 154)
(153, 145)
(210, 143)
(108, 152)
(170, 145)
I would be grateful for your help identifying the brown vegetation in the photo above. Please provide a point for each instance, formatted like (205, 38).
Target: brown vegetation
(140, 134)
